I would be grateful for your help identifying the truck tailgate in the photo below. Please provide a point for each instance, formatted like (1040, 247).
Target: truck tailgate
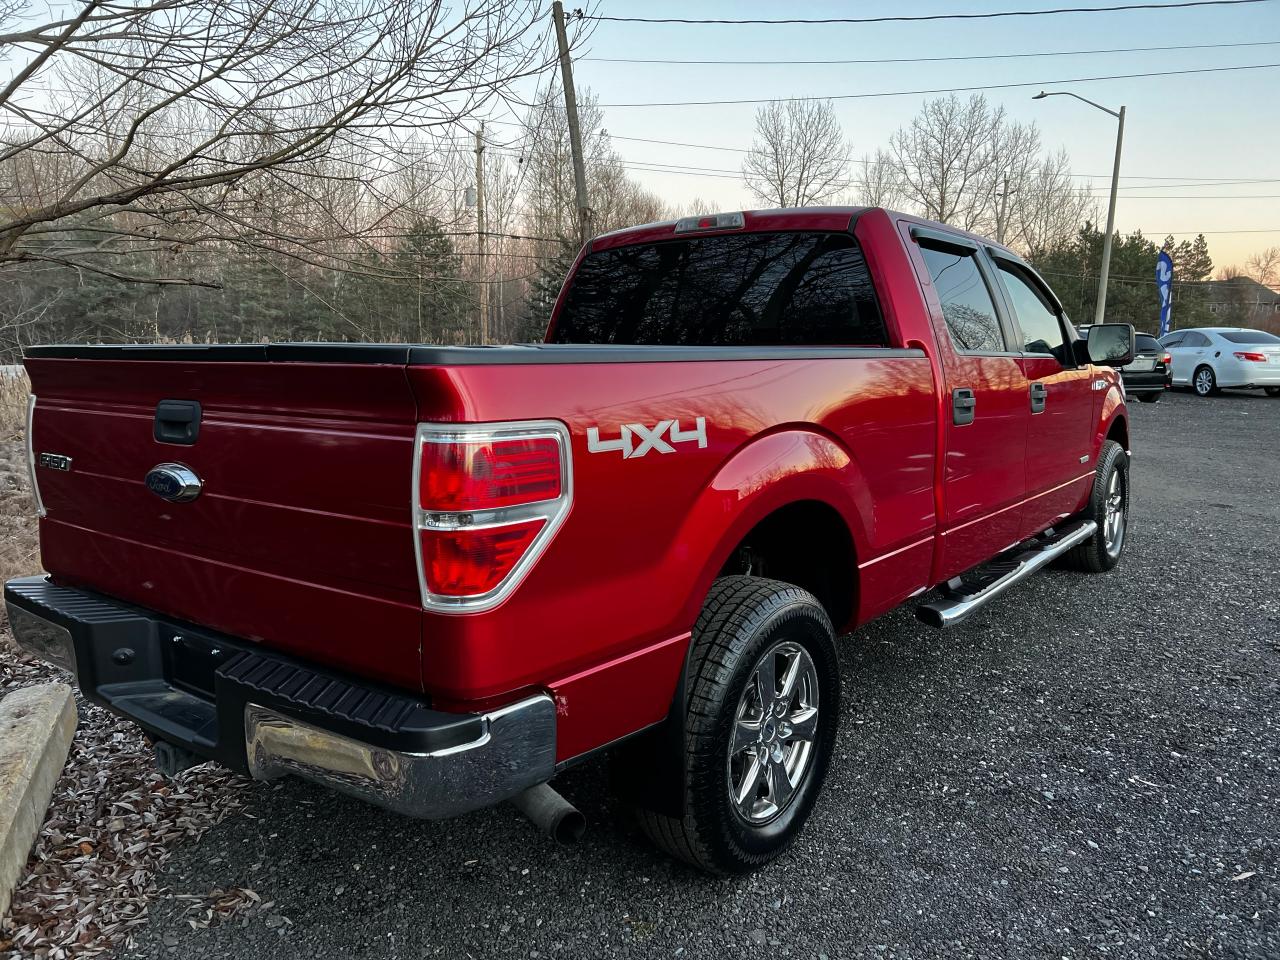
(300, 535)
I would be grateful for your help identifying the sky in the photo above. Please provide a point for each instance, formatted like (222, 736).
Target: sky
(1182, 133)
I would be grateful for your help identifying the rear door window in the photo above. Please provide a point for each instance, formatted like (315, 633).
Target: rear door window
(966, 302)
(747, 289)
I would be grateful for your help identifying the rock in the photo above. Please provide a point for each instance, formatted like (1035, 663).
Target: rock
(36, 726)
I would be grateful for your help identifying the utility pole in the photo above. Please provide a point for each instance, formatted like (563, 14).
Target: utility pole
(1002, 213)
(1100, 308)
(1100, 314)
(575, 137)
(482, 241)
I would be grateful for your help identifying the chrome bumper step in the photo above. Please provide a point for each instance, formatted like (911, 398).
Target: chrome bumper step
(959, 600)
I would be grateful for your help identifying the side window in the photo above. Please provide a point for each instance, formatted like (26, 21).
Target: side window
(1173, 340)
(1038, 320)
(1194, 339)
(966, 301)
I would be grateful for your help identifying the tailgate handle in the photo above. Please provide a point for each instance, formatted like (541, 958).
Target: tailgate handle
(177, 421)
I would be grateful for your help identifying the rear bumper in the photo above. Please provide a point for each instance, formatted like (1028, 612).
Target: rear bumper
(269, 715)
(1146, 381)
(1245, 378)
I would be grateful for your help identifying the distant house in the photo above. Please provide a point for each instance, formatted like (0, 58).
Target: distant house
(1241, 301)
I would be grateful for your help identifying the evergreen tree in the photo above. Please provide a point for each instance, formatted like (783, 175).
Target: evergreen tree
(544, 290)
(1072, 269)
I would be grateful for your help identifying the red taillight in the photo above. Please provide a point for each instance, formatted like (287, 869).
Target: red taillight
(1251, 356)
(467, 563)
(488, 498)
(1167, 360)
(463, 475)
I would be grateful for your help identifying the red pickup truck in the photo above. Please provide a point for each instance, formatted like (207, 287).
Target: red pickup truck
(435, 577)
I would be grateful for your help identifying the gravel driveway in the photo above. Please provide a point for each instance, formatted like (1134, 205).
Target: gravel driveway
(1089, 768)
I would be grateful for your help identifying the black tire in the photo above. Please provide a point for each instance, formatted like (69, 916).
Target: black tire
(1273, 391)
(1151, 397)
(1204, 381)
(1098, 554)
(742, 619)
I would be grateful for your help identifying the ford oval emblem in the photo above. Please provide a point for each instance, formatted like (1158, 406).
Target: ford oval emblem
(173, 482)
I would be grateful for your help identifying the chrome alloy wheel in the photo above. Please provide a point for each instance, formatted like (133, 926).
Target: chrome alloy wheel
(774, 729)
(1204, 381)
(1116, 519)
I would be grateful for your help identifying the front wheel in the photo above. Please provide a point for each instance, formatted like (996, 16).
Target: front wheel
(1109, 509)
(1204, 382)
(760, 725)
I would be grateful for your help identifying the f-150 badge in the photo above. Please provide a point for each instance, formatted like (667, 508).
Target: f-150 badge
(636, 439)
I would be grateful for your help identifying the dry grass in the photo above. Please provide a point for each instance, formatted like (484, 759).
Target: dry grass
(19, 549)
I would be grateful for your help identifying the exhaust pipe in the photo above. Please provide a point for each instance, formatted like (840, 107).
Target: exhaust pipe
(552, 814)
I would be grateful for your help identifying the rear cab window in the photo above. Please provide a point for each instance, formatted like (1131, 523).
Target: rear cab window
(744, 289)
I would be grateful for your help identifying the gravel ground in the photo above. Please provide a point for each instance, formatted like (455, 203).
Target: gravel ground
(1087, 769)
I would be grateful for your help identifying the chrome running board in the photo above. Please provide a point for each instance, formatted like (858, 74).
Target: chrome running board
(957, 603)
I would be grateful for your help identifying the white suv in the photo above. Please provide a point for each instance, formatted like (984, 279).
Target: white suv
(1206, 358)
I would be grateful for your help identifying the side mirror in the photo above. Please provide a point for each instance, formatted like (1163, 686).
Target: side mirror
(1111, 344)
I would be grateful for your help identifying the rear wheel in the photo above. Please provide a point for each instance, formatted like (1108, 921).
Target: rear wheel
(1151, 397)
(760, 724)
(1273, 391)
(1204, 382)
(1109, 509)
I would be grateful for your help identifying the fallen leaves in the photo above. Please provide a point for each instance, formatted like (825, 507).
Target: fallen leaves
(111, 826)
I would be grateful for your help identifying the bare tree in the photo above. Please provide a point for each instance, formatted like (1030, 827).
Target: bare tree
(1014, 154)
(877, 182)
(697, 207)
(1264, 266)
(944, 159)
(1047, 207)
(614, 198)
(163, 123)
(799, 156)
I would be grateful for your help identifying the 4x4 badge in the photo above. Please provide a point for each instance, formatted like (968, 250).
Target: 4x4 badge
(637, 439)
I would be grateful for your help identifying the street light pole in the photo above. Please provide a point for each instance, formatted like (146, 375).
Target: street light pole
(1100, 310)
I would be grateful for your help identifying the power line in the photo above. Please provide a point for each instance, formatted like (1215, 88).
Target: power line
(983, 56)
(1196, 233)
(1202, 196)
(916, 18)
(986, 86)
(1202, 181)
(726, 173)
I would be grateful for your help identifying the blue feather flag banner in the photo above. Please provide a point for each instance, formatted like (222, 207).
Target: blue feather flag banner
(1164, 283)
